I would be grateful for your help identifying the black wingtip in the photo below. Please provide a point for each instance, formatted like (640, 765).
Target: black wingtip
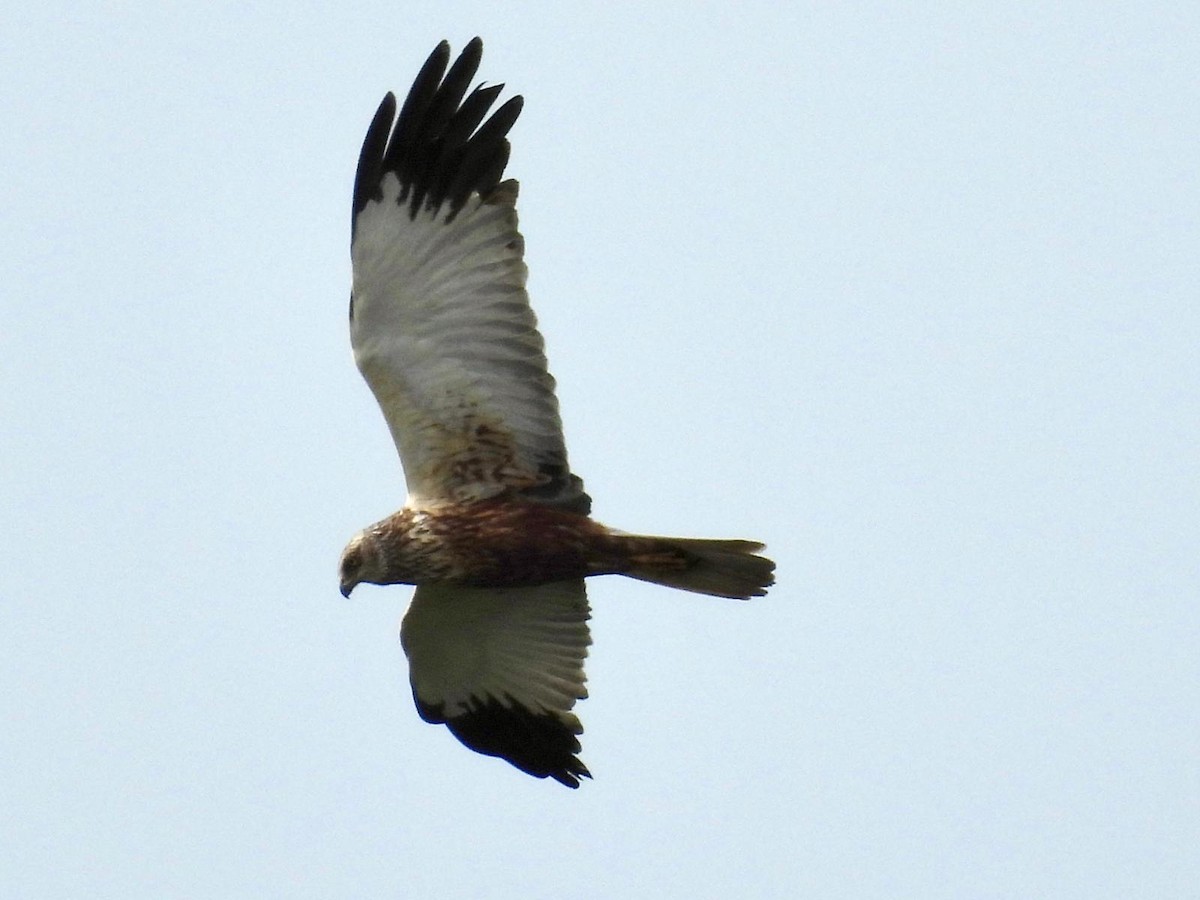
(437, 148)
(539, 744)
(369, 173)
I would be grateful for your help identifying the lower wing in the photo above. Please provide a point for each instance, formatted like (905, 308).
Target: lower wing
(502, 669)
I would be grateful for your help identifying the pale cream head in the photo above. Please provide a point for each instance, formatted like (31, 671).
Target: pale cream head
(361, 561)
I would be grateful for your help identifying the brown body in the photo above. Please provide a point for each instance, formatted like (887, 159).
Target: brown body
(505, 544)
(510, 543)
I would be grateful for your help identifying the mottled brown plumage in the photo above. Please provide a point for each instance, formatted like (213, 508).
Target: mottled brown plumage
(507, 542)
(496, 532)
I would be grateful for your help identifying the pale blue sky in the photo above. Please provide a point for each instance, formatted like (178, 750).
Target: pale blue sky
(908, 292)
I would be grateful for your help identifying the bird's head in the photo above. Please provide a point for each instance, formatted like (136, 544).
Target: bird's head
(361, 561)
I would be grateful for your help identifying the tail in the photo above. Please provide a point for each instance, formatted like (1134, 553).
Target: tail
(730, 569)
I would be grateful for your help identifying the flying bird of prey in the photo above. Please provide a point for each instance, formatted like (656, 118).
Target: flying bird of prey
(495, 532)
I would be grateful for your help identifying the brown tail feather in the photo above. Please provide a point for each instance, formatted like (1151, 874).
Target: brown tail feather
(730, 569)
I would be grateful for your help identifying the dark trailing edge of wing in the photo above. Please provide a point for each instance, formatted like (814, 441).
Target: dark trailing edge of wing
(438, 149)
(539, 744)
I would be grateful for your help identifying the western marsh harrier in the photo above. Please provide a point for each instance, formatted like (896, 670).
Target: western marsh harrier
(495, 532)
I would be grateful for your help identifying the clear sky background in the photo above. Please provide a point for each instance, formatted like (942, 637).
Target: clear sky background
(910, 292)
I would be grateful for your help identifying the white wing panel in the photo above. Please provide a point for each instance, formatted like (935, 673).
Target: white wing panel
(443, 333)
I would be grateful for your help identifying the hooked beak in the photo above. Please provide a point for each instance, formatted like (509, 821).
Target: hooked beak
(346, 589)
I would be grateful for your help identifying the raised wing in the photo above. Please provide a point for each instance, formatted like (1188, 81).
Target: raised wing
(439, 319)
(502, 668)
